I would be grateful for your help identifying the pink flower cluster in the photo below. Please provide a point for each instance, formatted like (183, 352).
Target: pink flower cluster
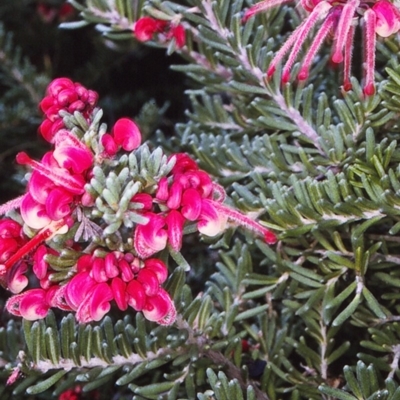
(187, 194)
(57, 182)
(63, 94)
(124, 278)
(146, 27)
(119, 277)
(56, 201)
(337, 19)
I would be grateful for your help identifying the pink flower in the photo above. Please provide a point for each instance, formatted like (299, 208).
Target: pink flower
(78, 288)
(175, 222)
(16, 374)
(158, 267)
(126, 134)
(188, 194)
(71, 154)
(63, 94)
(162, 193)
(34, 214)
(11, 239)
(145, 199)
(183, 164)
(136, 295)
(337, 19)
(96, 304)
(211, 222)
(108, 142)
(31, 305)
(16, 280)
(118, 287)
(160, 308)
(151, 237)
(118, 277)
(191, 204)
(57, 182)
(387, 18)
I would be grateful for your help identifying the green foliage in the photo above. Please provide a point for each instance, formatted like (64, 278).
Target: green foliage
(21, 88)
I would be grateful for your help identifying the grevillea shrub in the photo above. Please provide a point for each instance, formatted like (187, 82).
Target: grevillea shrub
(249, 250)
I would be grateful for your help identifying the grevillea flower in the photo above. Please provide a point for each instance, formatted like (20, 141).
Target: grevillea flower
(63, 94)
(177, 32)
(337, 19)
(188, 194)
(146, 27)
(31, 305)
(11, 239)
(125, 134)
(57, 182)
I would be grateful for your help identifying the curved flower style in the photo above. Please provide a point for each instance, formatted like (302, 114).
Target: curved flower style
(337, 19)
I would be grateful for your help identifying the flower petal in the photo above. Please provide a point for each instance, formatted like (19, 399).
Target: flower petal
(111, 265)
(137, 296)
(40, 265)
(191, 204)
(58, 204)
(40, 186)
(149, 281)
(33, 213)
(175, 222)
(127, 134)
(31, 305)
(211, 223)
(78, 288)
(126, 271)
(73, 158)
(16, 280)
(160, 308)
(150, 238)
(98, 270)
(118, 287)
(100, 301)
(158, 267)
(387, 18)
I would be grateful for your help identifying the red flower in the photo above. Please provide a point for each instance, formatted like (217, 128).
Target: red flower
(146, 27)
(178, 33)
